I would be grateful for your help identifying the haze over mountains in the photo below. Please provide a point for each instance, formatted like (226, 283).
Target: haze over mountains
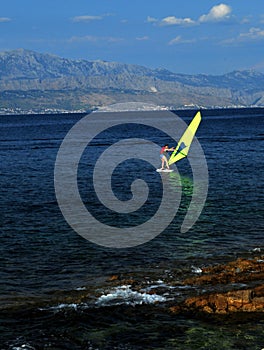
(31, 81)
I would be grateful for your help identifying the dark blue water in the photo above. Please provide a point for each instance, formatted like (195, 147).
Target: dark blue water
(41, 255)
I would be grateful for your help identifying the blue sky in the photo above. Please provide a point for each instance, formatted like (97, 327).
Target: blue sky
(190, 36)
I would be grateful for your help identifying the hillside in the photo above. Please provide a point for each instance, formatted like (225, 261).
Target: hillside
(31, 81)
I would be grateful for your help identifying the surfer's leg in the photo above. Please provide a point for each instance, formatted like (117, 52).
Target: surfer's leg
(162, 162)
(167, 164)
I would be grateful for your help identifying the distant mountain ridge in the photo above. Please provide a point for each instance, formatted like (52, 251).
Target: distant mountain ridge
(36, 81)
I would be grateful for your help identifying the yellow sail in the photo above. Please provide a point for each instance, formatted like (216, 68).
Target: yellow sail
(182, 149)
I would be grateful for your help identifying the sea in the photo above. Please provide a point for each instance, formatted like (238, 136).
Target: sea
(60, 290)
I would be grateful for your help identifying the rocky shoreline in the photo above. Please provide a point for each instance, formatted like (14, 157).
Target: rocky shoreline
(232, 276)
(223, 289)
(179, 308)
(229, 289)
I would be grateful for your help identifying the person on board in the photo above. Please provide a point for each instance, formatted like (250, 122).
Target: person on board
(163, 156)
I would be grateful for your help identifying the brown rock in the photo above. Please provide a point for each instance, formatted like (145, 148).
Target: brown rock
(250, 300)
(223, 303)
(113, 278)
(239, 271)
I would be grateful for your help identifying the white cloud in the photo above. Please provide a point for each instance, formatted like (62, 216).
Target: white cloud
(246, 20)
(176, 40)
(91, 38)
(258, 66)
(112, 39)
(179, 40)
(86, 18)
(142, 38)
(262, 19)
(217, 13)
(88, 38)
(253, 33)
(152, 19)
(4, 19)
(172, 20)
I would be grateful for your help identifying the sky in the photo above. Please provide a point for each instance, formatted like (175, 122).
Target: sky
(183, 36)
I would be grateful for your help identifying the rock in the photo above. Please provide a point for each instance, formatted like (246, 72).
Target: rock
(245, 300)
(239, 271)
(227, 276)
(113, 278)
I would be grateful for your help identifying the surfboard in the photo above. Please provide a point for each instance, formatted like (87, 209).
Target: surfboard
(183, 146)
(164, 170)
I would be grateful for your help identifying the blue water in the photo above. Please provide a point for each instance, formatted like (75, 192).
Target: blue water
(41, 254)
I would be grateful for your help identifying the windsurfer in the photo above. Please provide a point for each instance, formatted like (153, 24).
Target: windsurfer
(163, 156)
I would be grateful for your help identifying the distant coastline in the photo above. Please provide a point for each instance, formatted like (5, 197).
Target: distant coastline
(34, 83)
(223, 111)
(182, 112)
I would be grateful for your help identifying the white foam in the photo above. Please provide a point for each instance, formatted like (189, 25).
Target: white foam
(80, 288)
(125, 295)
(159, 284)
(23, 347)
(160, 281)
(62, 306)
(257, 249)
(196, 269)
(117, 296)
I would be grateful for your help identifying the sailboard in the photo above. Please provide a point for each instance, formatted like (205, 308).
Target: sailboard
(183, 146)
(164, 170)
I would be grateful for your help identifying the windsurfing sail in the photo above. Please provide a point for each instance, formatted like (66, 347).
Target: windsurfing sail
(182, 149)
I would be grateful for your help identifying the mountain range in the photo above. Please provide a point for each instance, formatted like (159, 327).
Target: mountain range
(38, 82)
